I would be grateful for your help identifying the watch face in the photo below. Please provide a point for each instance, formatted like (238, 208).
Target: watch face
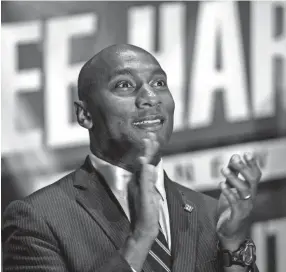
(247, 258)
(248, 255)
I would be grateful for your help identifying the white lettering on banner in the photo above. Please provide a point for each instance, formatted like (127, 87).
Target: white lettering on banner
(215, 18)
(13, 82)
(260, 232)
(60, 76)
(141, 28)
(201, 170)
(264, 48)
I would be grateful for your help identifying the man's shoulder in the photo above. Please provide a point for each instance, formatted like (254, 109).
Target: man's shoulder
(51, 196)
(50, 206)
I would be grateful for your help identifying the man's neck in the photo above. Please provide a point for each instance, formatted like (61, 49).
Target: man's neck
(128, 160)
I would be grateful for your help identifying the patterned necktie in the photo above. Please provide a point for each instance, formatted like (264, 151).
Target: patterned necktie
(159, 256)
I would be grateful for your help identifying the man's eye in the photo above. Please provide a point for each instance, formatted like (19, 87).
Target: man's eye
(123, 84)
(159, 83)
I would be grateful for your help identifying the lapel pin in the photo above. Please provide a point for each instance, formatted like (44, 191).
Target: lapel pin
(188, 208)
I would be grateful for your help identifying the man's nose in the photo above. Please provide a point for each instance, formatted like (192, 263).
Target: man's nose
(147, 97)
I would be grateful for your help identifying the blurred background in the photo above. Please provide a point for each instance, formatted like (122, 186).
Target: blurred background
(226, 67)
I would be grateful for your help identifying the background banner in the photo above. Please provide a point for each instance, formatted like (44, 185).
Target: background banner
(226, 67)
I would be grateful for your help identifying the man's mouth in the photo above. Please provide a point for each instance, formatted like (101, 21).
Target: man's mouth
(150, 123)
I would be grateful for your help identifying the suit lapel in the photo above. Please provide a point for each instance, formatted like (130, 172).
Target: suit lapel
(183, 224)
(96, 198)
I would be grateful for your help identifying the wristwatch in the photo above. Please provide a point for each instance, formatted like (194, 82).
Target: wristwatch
(244, 256)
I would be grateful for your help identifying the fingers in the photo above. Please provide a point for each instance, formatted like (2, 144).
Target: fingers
(248, 169)
(230, 194)
(241, 186)
(251, 161)
(151, 146)
(148, 177)
(148, 171)
(234, 171)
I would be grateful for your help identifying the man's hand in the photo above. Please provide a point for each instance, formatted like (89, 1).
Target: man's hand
(146, 206)
(236, 204)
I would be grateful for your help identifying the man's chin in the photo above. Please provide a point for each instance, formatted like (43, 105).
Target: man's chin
(136, 136)
(161, 138)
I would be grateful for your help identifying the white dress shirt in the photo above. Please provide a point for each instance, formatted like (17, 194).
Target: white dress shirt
(117, 179)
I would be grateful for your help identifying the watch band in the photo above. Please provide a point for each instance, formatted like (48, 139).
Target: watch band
(244, 256)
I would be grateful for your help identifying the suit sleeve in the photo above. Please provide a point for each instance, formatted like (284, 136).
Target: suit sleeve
(30, 245)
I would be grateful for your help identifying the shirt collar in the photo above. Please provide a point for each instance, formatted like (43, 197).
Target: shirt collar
(117, 178)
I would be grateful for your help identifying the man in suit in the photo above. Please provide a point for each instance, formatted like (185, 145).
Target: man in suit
(120, 211)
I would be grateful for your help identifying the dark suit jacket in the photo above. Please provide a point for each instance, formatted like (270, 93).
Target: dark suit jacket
(76, 224)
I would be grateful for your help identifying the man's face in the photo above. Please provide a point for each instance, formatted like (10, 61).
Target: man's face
(131, 98)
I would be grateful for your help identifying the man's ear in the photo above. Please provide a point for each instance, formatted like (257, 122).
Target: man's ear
(83, 116)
